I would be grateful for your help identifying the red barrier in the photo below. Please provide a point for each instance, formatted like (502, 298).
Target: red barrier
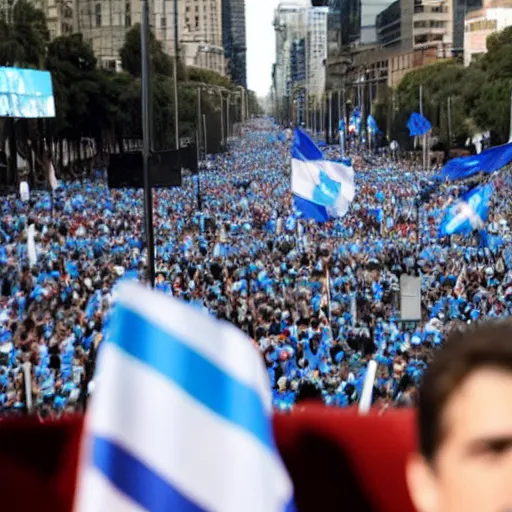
(338, 461)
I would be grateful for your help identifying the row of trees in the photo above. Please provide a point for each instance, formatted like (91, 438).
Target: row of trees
(99, 104)
(459, 101)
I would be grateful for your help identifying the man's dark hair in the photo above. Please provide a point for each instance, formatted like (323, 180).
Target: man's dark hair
(308, 391)
(488, 345)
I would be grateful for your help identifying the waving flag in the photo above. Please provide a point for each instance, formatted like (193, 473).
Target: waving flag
(180, 419)
(372, 124)
(52, 179)
(467, 214)
(489, 161)
(355, 121)
(321, 188)
(418, 125)
(31, 245)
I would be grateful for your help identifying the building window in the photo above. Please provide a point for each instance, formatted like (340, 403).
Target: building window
(477, 26)
(97, 11)
(163, 22)
(197, 22)
(128, 20)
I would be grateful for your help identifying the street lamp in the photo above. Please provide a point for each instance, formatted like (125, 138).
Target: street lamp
(146, 125)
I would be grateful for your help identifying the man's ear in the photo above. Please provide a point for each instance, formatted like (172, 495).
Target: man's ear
(422, 485)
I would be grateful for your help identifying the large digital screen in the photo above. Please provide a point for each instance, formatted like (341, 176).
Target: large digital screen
(26, 93)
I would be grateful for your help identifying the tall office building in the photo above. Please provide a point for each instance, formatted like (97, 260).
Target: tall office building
(494, 16)
(201, 34)
(301, 37)
(410, 25)
(233, 31)
(316, 50)
(59, 14)
(461, 8)
(334, 26)
(358, 21)
(104, 24)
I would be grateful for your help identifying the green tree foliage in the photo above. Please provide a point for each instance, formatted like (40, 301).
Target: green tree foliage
(96, 103)
(478, 96)
(254, 105)
(24, 36)
(131, 56)
(207, 76)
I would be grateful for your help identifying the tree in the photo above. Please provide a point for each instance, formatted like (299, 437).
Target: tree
(131, 56)
(208, 76)
(253, 104)
(23, 40)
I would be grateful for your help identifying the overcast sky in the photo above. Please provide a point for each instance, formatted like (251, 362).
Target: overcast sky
(261, 45)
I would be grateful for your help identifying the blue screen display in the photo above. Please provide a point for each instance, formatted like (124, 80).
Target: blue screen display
(26, 93)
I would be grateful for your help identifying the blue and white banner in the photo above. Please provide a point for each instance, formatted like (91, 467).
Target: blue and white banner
(180, 419)
(321, 188)
(467, 214)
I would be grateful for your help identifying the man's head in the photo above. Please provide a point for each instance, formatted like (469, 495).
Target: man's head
(465, 425)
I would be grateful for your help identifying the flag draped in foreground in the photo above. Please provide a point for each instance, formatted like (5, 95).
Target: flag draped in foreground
(467, 214)
(180, 419)
(321, 188)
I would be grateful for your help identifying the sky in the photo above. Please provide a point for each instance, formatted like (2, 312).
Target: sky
(261, 44)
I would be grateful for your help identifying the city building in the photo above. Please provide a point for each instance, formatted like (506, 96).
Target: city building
(334, 26)
(388, 26)
(104, 24)
(59, 14)
(494, 16)
(461, 8)
(201, 34)
(301, 53)
(354, 21)
(233, 32)
(409, 34)
(316, 50)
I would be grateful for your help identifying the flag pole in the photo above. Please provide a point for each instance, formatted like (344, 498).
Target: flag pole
(424, 145)
(146, 124)
(510, 137)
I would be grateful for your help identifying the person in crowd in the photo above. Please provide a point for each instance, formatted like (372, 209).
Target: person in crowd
(465, 424)
(319, 300)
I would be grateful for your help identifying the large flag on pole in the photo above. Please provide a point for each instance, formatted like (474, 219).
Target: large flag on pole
(180, 419)
(321, 188)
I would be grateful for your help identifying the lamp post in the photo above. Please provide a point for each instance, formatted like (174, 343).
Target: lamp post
(146, 123)
(175, 69)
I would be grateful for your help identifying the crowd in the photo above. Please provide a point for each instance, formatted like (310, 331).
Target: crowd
(318, 300)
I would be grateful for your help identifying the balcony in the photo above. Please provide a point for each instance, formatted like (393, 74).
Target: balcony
(431, 16)
(428, 31)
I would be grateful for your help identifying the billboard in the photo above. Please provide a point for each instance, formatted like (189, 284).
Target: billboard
(410, 298)
(26, 93)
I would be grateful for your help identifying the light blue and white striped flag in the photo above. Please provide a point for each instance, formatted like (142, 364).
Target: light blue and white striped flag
(321, 189)
(180, 419)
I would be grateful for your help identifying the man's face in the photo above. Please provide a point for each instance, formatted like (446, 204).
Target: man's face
(472, 471)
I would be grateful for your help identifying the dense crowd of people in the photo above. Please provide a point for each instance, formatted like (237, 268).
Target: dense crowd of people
(318, 300)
